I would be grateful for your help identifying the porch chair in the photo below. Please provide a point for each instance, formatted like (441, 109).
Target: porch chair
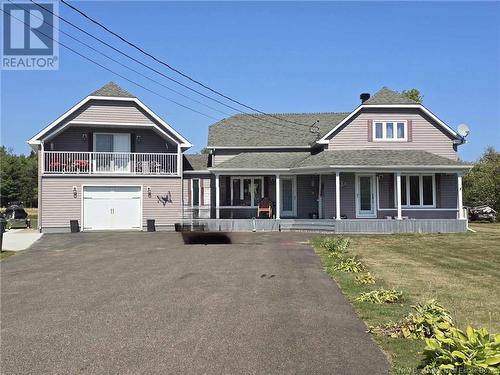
(265, 206)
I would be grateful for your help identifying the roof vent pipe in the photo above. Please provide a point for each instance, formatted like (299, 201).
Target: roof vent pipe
(364, 97)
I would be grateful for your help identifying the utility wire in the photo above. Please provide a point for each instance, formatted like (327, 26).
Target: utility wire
(173, 68)
(115, 73)
(125, 66)
(167, 77)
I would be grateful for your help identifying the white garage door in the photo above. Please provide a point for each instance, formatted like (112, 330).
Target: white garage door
(111, 207)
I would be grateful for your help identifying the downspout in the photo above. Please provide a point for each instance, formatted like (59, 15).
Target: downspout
(41, 157)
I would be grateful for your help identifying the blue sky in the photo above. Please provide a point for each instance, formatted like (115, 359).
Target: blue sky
(281, 57)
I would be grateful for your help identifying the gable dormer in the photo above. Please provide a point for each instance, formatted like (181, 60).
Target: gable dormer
(389, 120)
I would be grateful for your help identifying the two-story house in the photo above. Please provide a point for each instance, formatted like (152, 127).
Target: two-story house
(390, 165)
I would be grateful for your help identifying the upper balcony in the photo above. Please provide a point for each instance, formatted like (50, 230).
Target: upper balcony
(109, 163)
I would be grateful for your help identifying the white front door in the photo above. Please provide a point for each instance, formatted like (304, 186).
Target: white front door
(288, 186)
(365, 196)
(112, 207)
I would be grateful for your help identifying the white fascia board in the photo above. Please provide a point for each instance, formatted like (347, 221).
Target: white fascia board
(36, 139)
(324, 140)
(255, 147)
(248, 171)
(204, 171)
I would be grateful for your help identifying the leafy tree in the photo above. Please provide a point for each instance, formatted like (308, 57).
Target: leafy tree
(413, 94)
(481, 185)
(18, 177)
(205, 151)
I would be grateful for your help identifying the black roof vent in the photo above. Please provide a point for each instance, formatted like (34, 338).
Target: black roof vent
(364, 97)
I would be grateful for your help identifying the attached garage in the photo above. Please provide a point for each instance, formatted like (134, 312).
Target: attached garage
(112, 207)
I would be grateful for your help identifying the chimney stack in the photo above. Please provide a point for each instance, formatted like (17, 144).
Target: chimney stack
(364, 97)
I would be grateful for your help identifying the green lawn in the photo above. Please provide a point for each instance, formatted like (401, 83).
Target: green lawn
(461, 271)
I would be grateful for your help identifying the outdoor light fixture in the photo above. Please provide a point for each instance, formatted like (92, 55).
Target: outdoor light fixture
(138, 138)
(75, 192)
(51, 146)
(149, 191)
(84, 137)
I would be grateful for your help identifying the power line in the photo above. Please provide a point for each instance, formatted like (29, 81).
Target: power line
(113, 72)
(125, 66)
(167, 77)
(173, 68)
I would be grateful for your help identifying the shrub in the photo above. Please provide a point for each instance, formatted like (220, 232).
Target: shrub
(335, 244)
(381, 296)
(349, 265)
(472, 352)
(366, 278)
(427, 320)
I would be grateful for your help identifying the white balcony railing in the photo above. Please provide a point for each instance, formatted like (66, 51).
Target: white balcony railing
(67, 162)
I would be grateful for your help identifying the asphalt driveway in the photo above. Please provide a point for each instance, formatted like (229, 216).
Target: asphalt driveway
(142, 303)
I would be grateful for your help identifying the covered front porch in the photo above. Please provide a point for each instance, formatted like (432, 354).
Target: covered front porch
(341, 195)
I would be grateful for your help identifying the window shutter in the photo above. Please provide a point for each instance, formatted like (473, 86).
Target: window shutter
(90, 140)
(202, 192)
(370, 130)
(190, 185)
(132, 142)
(410, 131)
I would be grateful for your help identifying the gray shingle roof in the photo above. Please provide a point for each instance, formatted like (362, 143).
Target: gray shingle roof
(264, 160)
(377, 158)
(388, 96)
(351, 158)
(259, 130)
(112, 89)
(195, 162)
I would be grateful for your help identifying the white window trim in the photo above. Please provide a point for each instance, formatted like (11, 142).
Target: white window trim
(199, 192)
(241, 178)
(113, 134)
(395, 131)
(406, 177)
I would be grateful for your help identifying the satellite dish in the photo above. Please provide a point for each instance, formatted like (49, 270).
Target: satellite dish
(463, 130)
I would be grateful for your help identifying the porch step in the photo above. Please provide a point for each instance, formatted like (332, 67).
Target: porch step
(307, 227)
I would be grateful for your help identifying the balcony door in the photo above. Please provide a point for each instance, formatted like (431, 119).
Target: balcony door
(112, 152)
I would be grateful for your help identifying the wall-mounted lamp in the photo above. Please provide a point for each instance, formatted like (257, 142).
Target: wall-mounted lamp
(75, 192)
(84, 137)
(138, 138)
(380, 176)
(148, 189)
(51, 145)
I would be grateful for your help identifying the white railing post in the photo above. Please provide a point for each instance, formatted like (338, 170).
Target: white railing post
(337, 195)
(398, 195)
(460, 199)
(217, 197)
(278, 197)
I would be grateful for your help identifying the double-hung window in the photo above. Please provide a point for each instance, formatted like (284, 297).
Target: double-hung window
(246, 191)
(390, 131)
(418, 190)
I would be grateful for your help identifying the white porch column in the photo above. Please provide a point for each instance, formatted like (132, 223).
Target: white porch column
(320, 200)
(337, 195)
(398, 194)
(460, 201)
(217, 197)
(278, 197)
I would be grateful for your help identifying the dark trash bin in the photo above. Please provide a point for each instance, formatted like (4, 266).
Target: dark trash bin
(73, 224)
(151, 225)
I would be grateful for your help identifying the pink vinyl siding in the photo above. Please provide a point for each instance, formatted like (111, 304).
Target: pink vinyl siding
(59, 206)
(109, 111)
(71, 139)
(425, 135)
